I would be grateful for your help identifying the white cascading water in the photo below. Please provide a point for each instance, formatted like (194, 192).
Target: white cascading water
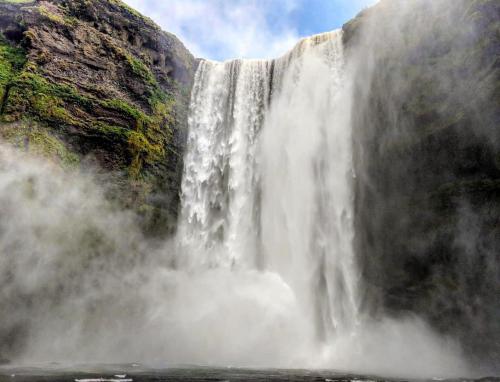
(268, 175)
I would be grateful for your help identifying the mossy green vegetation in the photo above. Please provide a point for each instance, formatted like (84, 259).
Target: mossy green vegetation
(151, 133)
(37, 140)
(124, 107)
(44, 11)
(24, 134)
(140, 69)
(143, 152)
(147, 141)
(111, 132)
(12, 59)
(31, 94)
(58, 17)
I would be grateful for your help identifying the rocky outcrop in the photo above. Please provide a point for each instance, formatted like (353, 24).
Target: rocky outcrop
(427, 149)
(94, 82)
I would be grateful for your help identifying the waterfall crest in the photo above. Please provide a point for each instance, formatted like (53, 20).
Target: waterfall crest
(267, 177)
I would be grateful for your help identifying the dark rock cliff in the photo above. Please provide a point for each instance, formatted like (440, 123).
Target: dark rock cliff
(94, 82)
(427, 156)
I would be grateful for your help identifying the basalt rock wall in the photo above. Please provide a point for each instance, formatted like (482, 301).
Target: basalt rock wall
(94, 83)
(426, 130)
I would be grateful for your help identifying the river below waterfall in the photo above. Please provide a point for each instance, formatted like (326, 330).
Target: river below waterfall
(137, 373)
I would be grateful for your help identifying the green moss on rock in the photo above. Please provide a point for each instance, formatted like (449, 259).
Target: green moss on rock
(37, 140)
(57, 17)
(12, 59)
(31, 93)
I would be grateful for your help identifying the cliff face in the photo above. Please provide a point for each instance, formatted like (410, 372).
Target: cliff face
(94, 82)
(427, 156)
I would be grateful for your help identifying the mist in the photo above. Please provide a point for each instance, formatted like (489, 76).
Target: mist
(80, 284)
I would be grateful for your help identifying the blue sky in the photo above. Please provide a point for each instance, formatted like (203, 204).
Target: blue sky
(226, 29)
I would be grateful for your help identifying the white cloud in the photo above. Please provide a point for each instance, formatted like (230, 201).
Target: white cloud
(226, 29)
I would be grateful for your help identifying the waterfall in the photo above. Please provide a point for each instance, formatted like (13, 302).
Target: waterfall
(262, 271)
(267, 181)
(220, 184)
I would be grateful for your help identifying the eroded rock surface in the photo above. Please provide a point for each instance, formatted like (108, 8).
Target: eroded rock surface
(91, 81)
